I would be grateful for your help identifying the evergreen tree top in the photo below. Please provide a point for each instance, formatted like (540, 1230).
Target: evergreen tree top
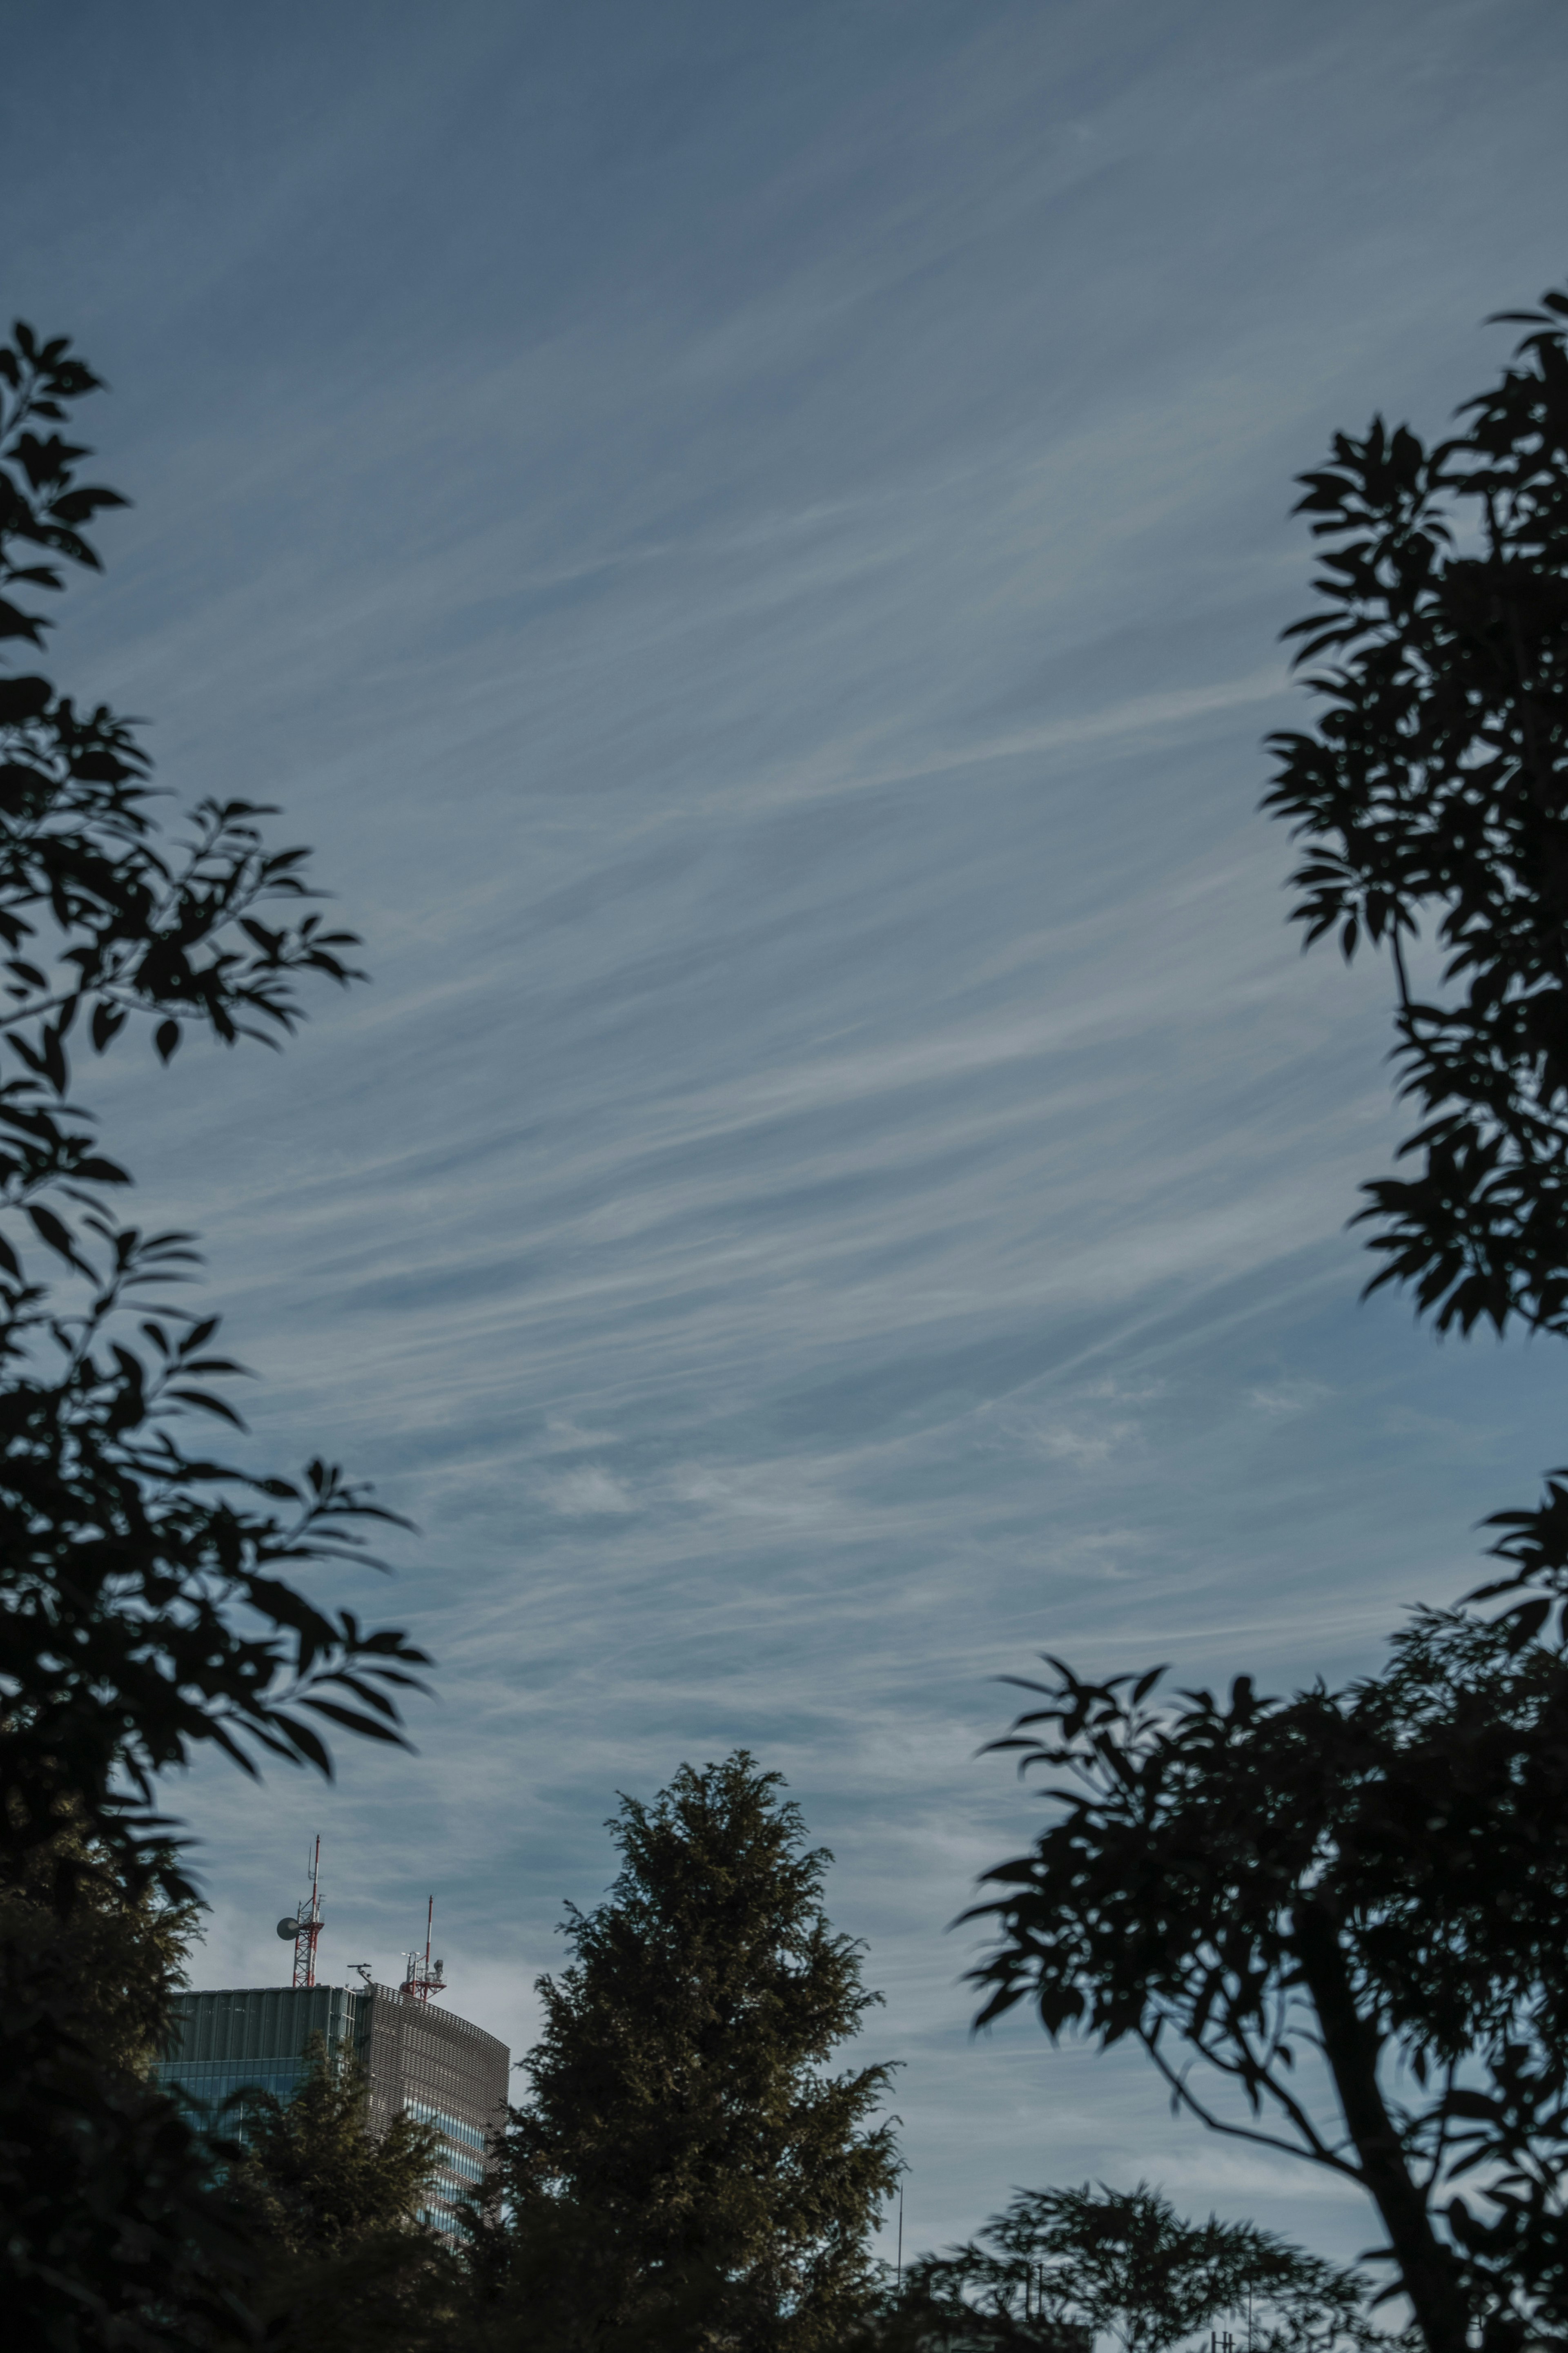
(680, 2119)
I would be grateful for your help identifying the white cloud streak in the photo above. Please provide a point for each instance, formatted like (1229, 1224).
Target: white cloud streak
(760, 569)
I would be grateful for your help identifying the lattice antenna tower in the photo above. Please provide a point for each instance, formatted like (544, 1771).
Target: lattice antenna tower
(302, 1928)
(419, 1979)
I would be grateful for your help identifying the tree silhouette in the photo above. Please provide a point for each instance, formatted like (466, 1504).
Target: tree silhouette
(1064, 2265)
(1377, 1878)
(146, 1606)
(679, 2116)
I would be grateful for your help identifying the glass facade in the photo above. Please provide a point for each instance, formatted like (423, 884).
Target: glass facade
(420, 2058)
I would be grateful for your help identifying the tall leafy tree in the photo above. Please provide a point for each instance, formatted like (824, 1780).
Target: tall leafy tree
(339, 2215)
(1060, 2265)
(119, 1948)
(681, 2118)
(1379, 1876)
(126, 1557)
(313, 2167)
(146, 1606)
(1434, 789)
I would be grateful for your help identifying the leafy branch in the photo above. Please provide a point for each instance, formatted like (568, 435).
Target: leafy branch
(145, 1600)
(1437, 783)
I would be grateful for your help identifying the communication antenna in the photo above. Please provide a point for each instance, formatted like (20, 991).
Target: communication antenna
(303, 1927)
(903, 2168)
(900, 2274)
(366, 1973)
(419, 1979)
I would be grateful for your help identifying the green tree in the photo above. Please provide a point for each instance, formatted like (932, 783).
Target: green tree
(1435, 785)
(1435, 781)
(125, 1556)
(145, 1607)
(679, 2117)
(316, 2172)
(1377, 1879)
(119, 1948)
(1060, 2263)
(347, 2259)
(1378, 1876)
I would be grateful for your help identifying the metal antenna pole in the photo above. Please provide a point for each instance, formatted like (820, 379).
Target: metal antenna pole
(306, 1924)
(420, 1982)
(901, 2230)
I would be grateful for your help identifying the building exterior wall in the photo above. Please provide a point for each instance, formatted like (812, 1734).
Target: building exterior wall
(416, 2056)
(255, 2039)
(443, 2071)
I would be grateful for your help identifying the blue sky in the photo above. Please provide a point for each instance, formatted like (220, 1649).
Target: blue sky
(753, 541)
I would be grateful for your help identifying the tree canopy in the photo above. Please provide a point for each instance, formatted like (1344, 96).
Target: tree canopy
(679, 2110)
(322, 2178)
(1353, 1905)
(1059, 2267)
(125, 1556)
(1378, 1874)
(122, 1947)
(345, 2261)
(146, 1606)
(1433, 785)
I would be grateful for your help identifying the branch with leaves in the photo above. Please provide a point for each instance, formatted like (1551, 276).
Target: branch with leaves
(149, 1597)
(1435, 783)
(1062, 2267)
(1348, 1906)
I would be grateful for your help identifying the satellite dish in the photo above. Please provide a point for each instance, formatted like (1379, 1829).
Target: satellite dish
(288, 1930)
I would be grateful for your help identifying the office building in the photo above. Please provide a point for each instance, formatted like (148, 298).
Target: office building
(416, 2056)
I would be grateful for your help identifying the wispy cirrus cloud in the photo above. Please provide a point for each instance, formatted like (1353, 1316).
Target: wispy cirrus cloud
(757, 557)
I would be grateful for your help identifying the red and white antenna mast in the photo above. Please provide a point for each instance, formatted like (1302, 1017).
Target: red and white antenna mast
(304, 1927)
(420, 1983)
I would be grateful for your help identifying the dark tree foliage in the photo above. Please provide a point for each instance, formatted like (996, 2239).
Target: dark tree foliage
(1364, 1893)
(121, 1948)
(125, 1558)
(554, 2283)
(113, 2235)
(680, 2119)
(104, 2198)
(1377, 1875)
(145, 1607)
(1435, 785)
(1061, 2266)
(345, 2259)
(318, 2173)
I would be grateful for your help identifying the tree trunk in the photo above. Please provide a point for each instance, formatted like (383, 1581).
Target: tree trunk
(1351, 2047)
